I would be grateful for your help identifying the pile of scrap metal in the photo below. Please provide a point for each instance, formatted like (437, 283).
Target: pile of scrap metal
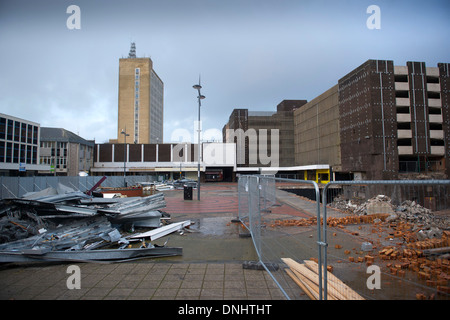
(61, 224)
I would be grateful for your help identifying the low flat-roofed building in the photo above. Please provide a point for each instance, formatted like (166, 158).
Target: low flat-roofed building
(166, 161)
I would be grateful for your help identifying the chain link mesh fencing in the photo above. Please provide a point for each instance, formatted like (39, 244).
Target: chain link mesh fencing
(261, 213)
(389, 239)
(381, 240)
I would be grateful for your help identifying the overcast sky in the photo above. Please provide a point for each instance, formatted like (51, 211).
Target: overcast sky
(250, 54)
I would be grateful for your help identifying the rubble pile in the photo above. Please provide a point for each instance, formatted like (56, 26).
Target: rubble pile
(64, 224)
(408, 211)
(363, 207)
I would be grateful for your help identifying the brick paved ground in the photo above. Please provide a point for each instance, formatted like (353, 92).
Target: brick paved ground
(139, 281)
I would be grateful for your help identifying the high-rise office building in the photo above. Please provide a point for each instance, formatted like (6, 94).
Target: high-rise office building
(141, 101)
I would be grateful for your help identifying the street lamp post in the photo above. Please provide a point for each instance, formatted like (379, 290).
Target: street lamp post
(125, 135)
(199, 97)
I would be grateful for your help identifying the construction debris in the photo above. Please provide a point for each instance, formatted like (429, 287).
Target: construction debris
(378, 204)
(426, 223)
(161, 232)
(66, 225)
(107, 255)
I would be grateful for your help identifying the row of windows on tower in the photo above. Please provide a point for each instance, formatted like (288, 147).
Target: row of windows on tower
(136, 104)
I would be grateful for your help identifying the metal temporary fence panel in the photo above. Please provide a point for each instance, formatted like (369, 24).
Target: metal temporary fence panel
(243, 199)
(363, 203)
(268, 191)
(257, 197)
(9, 187)
(315, 211)
(255, 212)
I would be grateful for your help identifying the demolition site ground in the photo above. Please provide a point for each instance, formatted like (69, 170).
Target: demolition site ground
(215, 249)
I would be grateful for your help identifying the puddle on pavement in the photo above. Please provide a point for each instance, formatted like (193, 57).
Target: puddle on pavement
(214, 226)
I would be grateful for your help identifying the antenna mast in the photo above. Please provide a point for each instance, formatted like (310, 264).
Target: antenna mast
(132, 53)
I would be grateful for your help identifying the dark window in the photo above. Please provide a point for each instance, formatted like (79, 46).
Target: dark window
(403, 125)
(2, 128)
(2, 151)
(433, 95)
(402, 94)
(10, 130)
(29, 159)
(16, 153)
(35, 135)
(435, 126)
(8, 152)
(404, 142)
(17, 131)
(34, 155)
(401, 78)
(22, 153)
(432, 110)
(23, 133)
(437, 142)
(30, 133)
(432, 79)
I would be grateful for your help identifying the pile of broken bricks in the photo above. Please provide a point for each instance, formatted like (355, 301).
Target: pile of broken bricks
(420, 244)
(331, 221)
(418, 241)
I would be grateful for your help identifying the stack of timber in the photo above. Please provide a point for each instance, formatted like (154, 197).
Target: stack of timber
(307, 278)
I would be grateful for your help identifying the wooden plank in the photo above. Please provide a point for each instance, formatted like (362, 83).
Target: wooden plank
(311, 277)
(301, 268)
(314, 286)
(335, 282)
(301, 285)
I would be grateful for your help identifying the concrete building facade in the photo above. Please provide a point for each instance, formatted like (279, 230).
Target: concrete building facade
(316, 131)
(19, 146)
(263, 139)
(140, 101)
(389, 121)
(65, 153)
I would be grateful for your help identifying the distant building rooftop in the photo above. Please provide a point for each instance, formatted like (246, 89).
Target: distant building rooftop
(63, 135)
